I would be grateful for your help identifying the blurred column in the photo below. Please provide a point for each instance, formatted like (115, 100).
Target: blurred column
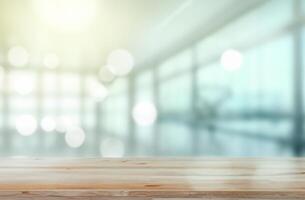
(156, 130)
(194, 100)
(131, 141)
(6, 114)
(82, 109)
(98, 127)
(60, 141)
(297, 137)
(39, 97)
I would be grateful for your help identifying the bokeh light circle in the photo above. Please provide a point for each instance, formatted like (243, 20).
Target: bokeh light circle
(75, 137)
(231, 60)
(144, 113)
(120, 62)
(26, 125)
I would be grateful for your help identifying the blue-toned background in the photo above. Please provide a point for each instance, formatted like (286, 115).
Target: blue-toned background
(152, 78)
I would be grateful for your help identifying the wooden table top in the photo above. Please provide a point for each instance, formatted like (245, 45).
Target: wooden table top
(206, 178)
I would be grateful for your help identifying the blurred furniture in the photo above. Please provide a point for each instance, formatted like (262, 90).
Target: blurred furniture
(146, 179)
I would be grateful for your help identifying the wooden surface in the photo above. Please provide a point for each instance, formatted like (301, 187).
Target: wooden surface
(157, 179)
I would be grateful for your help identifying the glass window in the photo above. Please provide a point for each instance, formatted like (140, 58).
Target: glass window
(246, 31)
(23, 104)
(51, 105)
(144, 94)
(175, 64)
(175, 139)
(70, 84)
(115, 115)
(144, 87)
(22, 83)
(120, 85)
(70, 104)
(50, 84)
(175, 94)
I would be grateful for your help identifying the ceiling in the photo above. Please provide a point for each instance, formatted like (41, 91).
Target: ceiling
(145, 27)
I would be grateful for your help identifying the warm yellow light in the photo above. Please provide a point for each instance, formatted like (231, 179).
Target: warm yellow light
(231, 60)
(18, 56)
(75, 137)
(67, 15)
(144, 113)
(26, 125)
(120, 62)
(1, 71)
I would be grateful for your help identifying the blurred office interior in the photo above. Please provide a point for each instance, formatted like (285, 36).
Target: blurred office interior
(115, 78)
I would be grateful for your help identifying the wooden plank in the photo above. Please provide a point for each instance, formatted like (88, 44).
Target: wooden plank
(149, 179)
(151, 163)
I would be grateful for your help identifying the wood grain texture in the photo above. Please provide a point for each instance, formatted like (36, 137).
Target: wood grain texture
(153, 179)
